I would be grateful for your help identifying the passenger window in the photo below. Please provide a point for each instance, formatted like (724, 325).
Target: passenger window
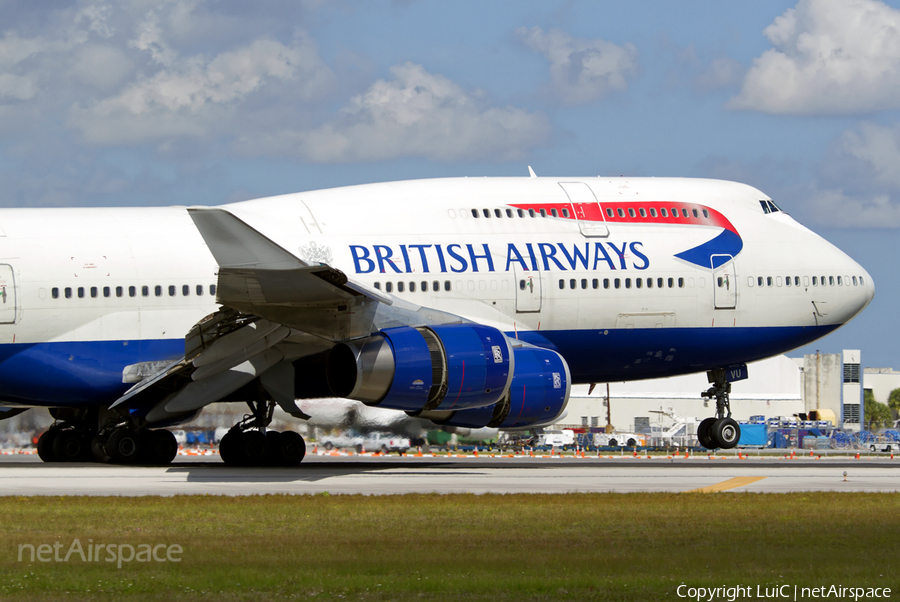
(199, 290)
(652, 212)
(157, 290)
(706, 213)
(670, 282)
(787, 281)
(572, 283)
(54, 292)
(400, 287)
(638, 282)
(486, 214)
(659, 283)
(609, 212)
(759, 281)
(684, 211)
(696, 213)
(171, 290)
(474, 212)
(643, 212)
(805, 281)
(750, 281)
(132, 291)
(565, 212)
(649, 282)
(628, 283)
(663, 212)
(498, 213)
(562, 284)
(584, 283)
(447, 285)
(861, 281)
(68, 293)
(681, 283)
(377, 285)
(436, 286)
(796, 280)
(606, 283)
(554, 213)
(595, 283)
(412, 287)
(621, 212)
(616, 283)
(81, 291)
(839, 281)
(424, 287)
(778, 280)
(631, 212)
(674, 211)
(720, 281)
(212, 289)
(532, 213)
(543, 213)
(185, 290)
(388, 287)
(831, 280)
(815, 281)
(106, 291)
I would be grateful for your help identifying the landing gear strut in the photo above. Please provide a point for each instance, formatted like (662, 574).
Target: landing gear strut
(248, 443)
(722, 430)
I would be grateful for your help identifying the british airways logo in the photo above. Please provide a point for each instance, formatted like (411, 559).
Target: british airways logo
(458, 258)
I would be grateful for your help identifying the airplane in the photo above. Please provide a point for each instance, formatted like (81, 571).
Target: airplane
(470, 302)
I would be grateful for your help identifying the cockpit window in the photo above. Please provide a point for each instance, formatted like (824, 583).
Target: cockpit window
(765, 206)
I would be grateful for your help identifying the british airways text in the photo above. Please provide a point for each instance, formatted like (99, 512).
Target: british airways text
(458, 258)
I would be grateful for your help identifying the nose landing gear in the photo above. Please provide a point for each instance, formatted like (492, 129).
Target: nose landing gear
(721, 431)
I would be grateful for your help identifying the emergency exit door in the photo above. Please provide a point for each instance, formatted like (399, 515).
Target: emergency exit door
(7, 294)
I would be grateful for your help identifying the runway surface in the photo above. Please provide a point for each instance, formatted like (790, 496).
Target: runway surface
(26, 475)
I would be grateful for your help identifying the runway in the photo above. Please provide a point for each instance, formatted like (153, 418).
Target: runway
(26, 475)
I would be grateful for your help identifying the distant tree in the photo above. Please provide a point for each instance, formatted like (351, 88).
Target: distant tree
(894, 400)
(878, 415)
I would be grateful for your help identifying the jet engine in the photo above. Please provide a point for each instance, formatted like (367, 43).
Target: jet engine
(537, 396)
(436, 368)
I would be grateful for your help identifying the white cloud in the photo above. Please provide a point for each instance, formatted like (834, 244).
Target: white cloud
(829, 57)
(722, 72)
(416, 114)
(193, 95)
(582, 71)
(833, 207)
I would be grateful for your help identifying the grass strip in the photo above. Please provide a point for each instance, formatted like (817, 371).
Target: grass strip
(636, 546)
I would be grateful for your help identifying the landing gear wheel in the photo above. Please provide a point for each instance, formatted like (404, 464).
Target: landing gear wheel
(703, 433)
(160, 447)
(230, 448)
(725, 432)
(69, 446)
(123, 446)
(45, 446)
(98, 449)
(254, 448)
(292, 448)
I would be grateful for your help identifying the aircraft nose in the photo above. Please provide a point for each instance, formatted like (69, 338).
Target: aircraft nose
(870, 288)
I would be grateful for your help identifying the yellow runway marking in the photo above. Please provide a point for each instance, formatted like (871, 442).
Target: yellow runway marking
(729, 484)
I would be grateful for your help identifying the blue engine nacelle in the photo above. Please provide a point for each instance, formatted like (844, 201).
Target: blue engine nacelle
(438, 368)
(537, 396)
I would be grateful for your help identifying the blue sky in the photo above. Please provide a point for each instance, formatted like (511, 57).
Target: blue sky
(190, 102)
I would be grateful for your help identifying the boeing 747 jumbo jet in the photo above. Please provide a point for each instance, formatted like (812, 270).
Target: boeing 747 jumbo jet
(471, 302)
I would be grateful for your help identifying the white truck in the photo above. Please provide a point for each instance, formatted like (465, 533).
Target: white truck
(618, 440)
(563, 438)
(372, 442)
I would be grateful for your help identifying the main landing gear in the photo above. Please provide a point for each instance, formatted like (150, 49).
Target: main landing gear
(248, 443)
(76, 437)
(721, 431)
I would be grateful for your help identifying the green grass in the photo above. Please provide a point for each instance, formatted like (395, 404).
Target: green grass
(454, 547)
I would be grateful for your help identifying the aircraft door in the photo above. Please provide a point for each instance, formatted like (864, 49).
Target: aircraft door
(591, 220)
(724, 281)
(7, 294)
(528, 290)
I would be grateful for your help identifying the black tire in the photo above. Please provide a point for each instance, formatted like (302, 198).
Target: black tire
(613, 443)
(273, 455)
(328, 446)
(69, 446)
(632, 443)
(385, 450)
(124, 446)
(725, 432)
(359, 448)
(230, 448)
(703, 433)
(45, 446)
(254, 448)
(292, 448)
(98, 449)
(161, 447)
